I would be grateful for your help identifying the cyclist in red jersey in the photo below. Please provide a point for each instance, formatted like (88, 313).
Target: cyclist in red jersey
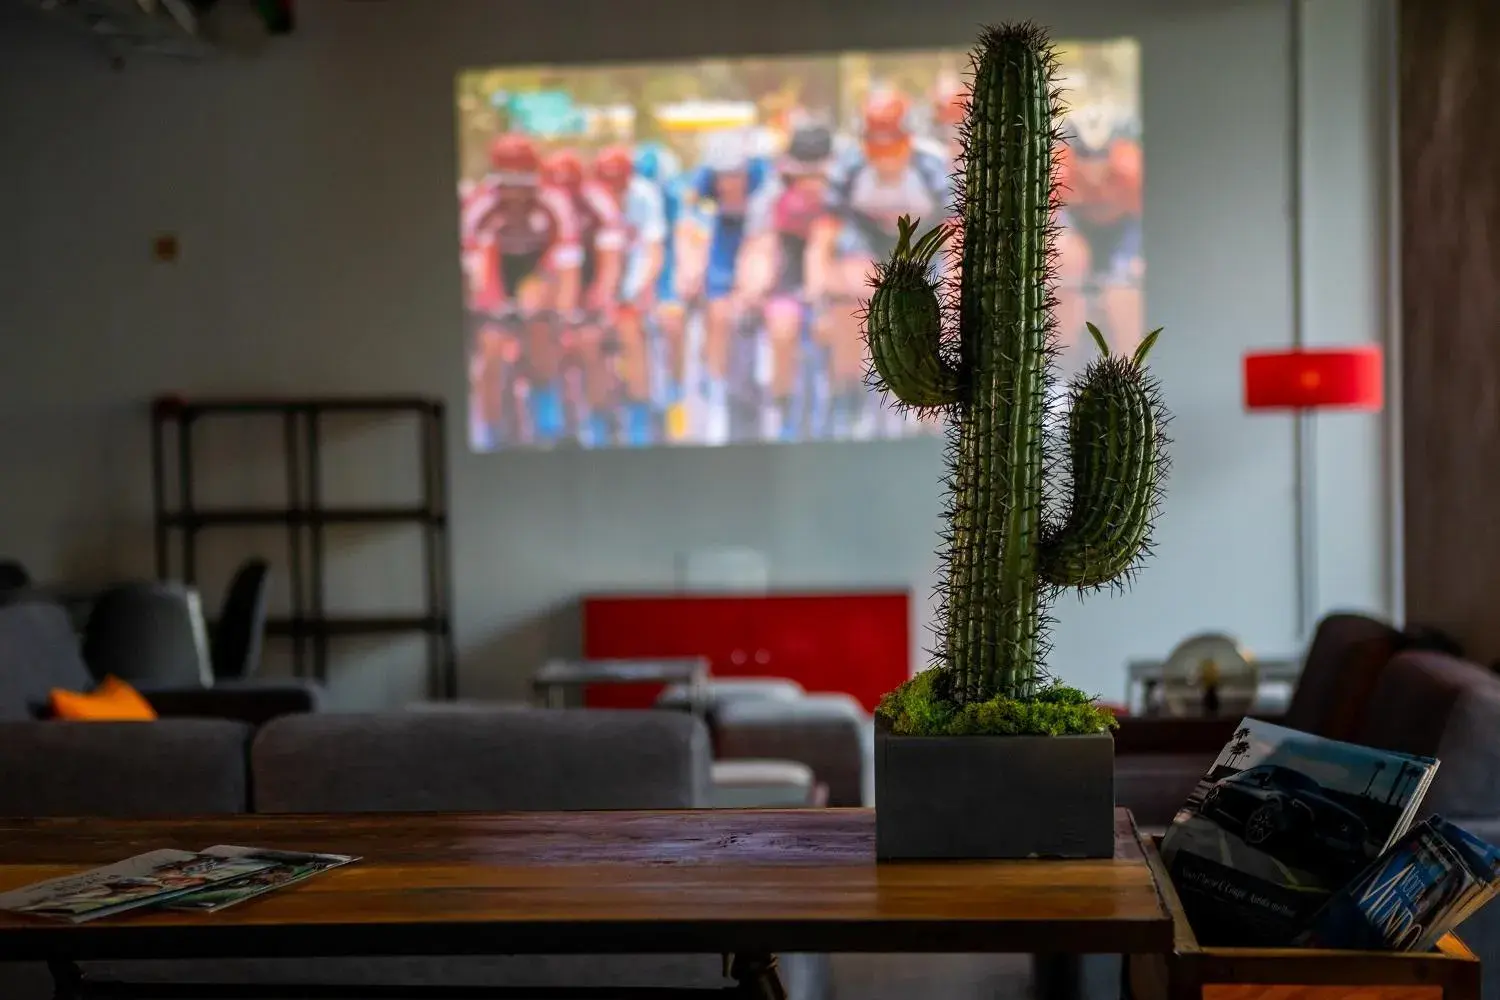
(525, 238)
(532, 229)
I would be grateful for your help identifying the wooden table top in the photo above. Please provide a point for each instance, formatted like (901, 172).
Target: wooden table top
(701, 881)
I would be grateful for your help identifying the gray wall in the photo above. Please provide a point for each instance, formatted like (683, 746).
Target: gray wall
(312, 189)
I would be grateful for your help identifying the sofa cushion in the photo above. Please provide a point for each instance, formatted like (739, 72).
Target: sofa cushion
(112, 701)
(537, 759)
(38, 652)
(174, 767)
(761, 784)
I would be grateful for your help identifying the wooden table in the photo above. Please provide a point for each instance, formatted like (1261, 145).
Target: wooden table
(747, 883)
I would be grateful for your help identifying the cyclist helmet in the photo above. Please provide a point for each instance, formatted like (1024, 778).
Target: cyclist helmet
(808, 149)
(563, 169)
(655, 162)
(886, 132)
(726, 152)
(514, 160)
(614, 166)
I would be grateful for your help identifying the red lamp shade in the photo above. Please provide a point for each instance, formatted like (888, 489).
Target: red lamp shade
(1344, 377)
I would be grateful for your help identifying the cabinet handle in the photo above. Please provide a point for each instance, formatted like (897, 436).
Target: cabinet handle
(762, 656)
(737, 657)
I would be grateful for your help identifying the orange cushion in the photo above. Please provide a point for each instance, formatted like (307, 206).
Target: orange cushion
(112, 701)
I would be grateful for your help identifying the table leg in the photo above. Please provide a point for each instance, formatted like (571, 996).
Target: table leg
(756, 977)
(1058, 977)
(67, 980)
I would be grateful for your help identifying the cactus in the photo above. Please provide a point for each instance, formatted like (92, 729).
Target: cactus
(1021, 526)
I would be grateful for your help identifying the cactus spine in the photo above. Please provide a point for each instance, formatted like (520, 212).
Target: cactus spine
(1014, 539)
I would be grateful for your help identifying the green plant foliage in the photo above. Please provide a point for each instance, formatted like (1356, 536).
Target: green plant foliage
(921, 707)
(1026, 519)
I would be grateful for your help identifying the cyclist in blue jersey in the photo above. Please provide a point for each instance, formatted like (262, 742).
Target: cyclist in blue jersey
(666, 320)
(717, 198)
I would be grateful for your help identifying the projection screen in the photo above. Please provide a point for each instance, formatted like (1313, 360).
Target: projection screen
(676, 253)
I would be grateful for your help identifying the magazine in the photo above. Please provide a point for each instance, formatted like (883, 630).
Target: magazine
(1482, 861)
(1434, 879)
(1397, 899)
(1281, 821)
(144, 880)
(283, 868)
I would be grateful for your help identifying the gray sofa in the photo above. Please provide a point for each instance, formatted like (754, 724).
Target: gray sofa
(392, 762)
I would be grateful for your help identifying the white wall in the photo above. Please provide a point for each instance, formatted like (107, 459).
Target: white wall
(312, 192)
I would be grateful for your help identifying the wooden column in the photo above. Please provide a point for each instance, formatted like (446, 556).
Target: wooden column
(1450, 316)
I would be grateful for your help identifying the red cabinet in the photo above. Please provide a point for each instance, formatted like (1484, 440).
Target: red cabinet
(857, 643)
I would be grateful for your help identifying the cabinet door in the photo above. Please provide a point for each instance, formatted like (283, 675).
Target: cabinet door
(855, 643)
(666, 626)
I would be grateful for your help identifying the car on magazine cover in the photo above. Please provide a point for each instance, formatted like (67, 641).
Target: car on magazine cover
(1279, 810)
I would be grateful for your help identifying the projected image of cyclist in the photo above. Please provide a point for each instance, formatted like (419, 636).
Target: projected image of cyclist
(677, 254)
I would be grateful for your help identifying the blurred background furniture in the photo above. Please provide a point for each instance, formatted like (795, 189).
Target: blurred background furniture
(240, 629)
(854, 643)
(1143, 680)
(305, 515)
(40, 650)
(560, 683)
(13, 576)
(1208, 674)
(149, 634)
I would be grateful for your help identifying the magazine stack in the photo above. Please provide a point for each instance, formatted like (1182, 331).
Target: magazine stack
(1292, 839)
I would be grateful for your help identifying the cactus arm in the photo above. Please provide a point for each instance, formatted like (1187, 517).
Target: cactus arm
(904, 324)
(1115, 447)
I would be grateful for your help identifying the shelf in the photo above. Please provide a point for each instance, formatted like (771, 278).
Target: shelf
(357, 625)
(296, 516)
(171, 406)
(302, 515)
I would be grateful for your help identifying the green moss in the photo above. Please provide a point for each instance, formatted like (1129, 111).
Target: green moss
(919, 708)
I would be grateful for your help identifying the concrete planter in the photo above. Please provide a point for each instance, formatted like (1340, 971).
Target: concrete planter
(994, 796)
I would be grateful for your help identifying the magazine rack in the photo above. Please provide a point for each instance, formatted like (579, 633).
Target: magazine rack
(1194, 972)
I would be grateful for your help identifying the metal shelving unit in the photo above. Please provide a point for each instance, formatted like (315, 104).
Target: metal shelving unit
(305, 518)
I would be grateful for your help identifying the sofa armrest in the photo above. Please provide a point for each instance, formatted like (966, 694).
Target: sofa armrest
(255, 704)
(1168, 735)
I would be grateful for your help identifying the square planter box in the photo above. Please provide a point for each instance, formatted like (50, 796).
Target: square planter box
(994, 796)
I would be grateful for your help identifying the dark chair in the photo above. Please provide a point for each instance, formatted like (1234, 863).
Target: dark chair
(235, 651)
(13, 576)
(150, 635)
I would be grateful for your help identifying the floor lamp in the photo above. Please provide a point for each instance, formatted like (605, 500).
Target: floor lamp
(1303, 381)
